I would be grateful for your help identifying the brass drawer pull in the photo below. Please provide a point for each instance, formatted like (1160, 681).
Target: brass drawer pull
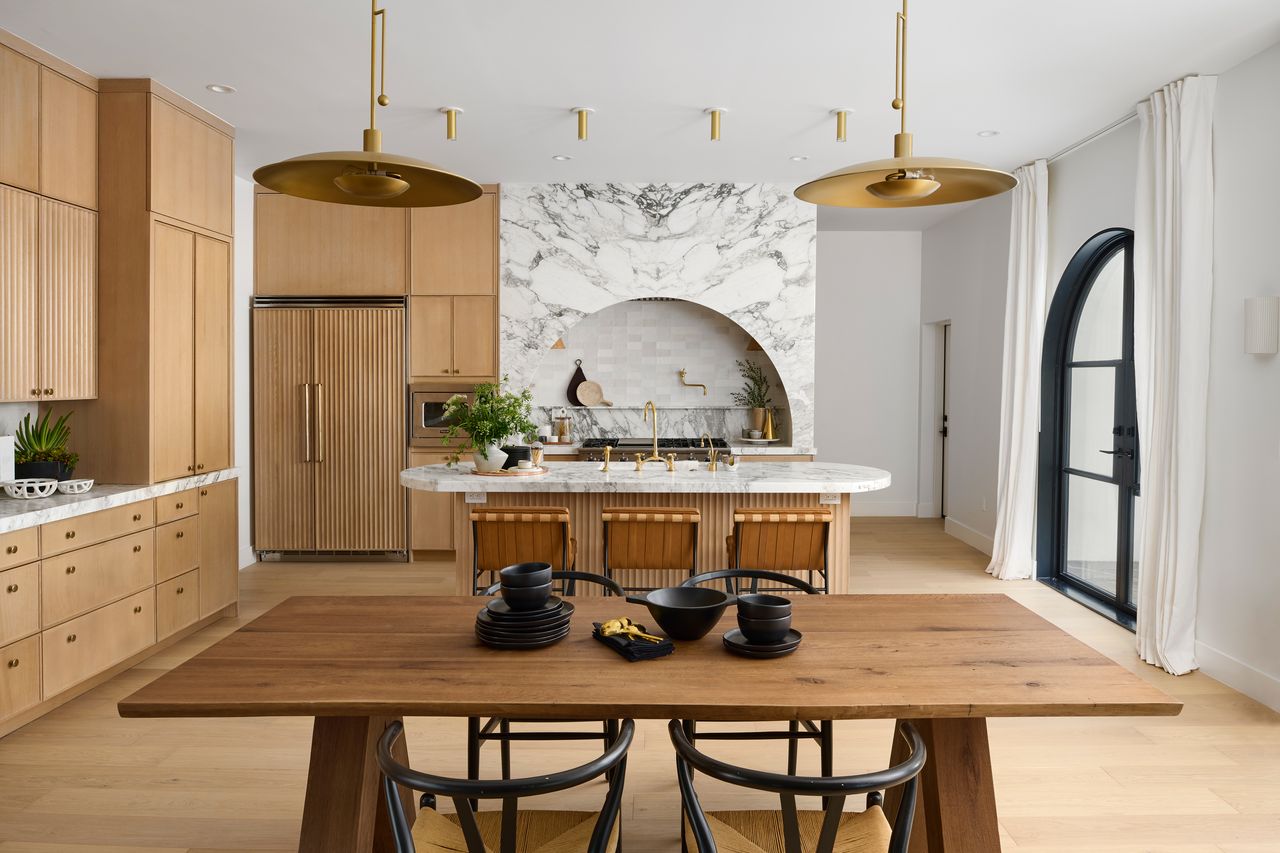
(71, 534)
(179, 504)
(180, 534)
(191, 467)
(200, 467)
(13, 663)
(71, 638)
(204, 493)
(35, 392)
(138, 609)
(71, 570)
(181, 590)
(137, 548)
(13, 587)
(12, 549)
(48, 392)
(137, 516)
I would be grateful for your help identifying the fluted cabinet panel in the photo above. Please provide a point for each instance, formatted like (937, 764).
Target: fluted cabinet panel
(19, 296)
(360, 424)
(68, 301)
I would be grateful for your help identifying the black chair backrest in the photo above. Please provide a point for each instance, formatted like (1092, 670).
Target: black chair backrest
(732, 577)
(571, 580)
(462, 791)
(833, 790)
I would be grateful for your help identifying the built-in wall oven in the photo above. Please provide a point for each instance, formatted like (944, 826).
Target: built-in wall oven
(427, 424)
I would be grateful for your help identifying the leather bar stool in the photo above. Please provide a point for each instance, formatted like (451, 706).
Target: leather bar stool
(641, 541)
(503, 536)
(789, 540)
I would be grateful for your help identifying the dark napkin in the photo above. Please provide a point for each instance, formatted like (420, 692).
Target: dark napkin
(634, 649)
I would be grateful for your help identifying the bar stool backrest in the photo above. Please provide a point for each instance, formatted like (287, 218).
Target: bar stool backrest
(785, 539)
(640, 540)
(503, 536)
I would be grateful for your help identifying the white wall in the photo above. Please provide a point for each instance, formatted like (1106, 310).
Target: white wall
(964, 274)
(243, 274)
(868, 359)
(1090, 189)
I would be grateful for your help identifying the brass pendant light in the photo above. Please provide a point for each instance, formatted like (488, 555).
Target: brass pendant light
(369, 177)
(905, 180)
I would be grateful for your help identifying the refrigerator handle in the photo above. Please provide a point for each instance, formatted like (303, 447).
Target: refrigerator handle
(306, 422)
(319, 422)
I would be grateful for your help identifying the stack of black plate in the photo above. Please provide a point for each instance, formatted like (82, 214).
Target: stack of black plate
(499, 626)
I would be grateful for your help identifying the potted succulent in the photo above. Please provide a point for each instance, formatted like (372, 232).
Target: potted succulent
(40, 449)
(754, 394)
(486, 421)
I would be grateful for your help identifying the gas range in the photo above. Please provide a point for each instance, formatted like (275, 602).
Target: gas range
(683, 448)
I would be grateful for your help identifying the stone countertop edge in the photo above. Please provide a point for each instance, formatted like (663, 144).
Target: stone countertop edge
(755, 477)
(18, 514)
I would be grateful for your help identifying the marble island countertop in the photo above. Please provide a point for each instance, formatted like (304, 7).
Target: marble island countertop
(747, 477)
(17, 514)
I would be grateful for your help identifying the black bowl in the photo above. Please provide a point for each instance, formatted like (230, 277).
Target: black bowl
(764, 631)
(761, 606)
(526, 574)
(515, 453)
(685, 612)
(520, 598)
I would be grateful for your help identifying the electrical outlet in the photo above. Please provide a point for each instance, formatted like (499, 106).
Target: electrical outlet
(477, 497)
(829, 498)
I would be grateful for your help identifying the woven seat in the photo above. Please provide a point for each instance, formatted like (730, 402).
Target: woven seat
(762, 832)
(640, 542)
(536, 832)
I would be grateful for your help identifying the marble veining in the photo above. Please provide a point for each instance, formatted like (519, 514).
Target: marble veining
(745, 478)
(16, 514)
(746, 251)
(678, 422)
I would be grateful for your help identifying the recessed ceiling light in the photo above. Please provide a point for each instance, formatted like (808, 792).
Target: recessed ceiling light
(987, 134)
(799, 158)
(561, 157)
(221, 89)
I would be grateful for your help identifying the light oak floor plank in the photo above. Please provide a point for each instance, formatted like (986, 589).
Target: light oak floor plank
(82, 780)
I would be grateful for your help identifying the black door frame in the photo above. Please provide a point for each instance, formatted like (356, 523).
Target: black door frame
(1055, 388)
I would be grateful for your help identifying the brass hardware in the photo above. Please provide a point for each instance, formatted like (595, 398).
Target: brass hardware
(180, 534)
(204, 493)
(639, 461)
(137, 609)
(451, 122)
(12, 549)
(842, 123)
(607, 451)
(13, 587)
(715, 113)
(683, 381)
(456, 370)
(191, 467)
(905, 180)
(137, 516)
(179, 504)
(71, 638)
(768, 425)
(181, 590)
(306, 422)
(729, 459)
(319, 421)
(71, 570)
(137, 549)
(199, 466)
(48, 392)
(625, 627)
(713, 460)
(369, 177)
(704, 440)
(670, 459)
(582, 112)
(446, 370)
(13, 663)
(35, 392)
(70, 534)
(653, 456)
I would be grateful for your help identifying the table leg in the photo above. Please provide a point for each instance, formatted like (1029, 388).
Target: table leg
(345, 811)
(956, 809)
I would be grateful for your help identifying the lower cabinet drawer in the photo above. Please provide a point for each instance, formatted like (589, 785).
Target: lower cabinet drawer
(177, 505)
(83, 647)
(57, 537)
(19, 602)
(177, 548)
(79, 581)
(19, 546)
(177, 604)
(19, 676)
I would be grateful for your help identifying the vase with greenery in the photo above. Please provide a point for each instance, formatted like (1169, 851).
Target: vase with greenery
(755, 392)
(40, 449)
(485, 421)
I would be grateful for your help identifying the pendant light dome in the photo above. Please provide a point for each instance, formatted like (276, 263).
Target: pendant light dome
(369, 177)
(905, 180)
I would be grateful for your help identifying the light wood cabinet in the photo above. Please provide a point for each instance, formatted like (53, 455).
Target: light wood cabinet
(177, 505)
(19, 296)
(58, 537)
(19, 602)
(177, 604)
(430, 513)
(173, 335)
(19, 676)
(219, 547)
(82, 647)
(68, 301)
(177, 548)
(19, 120)
(83, 580)
(191, 168)
(18, 547)
(68, 140)
(454, 249)
(213, 403)
(454, 336)
(313, 248)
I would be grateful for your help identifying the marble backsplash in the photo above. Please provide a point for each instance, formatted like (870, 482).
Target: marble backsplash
(676, 422)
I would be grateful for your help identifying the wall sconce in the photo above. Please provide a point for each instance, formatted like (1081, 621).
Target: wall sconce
(1262, 325)
(842, 123)
(451, 122)
(715, 113)
(582, 112)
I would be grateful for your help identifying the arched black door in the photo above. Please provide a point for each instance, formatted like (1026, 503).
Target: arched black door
(1089, 431)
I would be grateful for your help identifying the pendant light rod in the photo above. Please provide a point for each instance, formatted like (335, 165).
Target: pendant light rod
(899, 101)
(377, 87)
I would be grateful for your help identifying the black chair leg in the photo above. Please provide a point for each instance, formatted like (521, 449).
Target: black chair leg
(505, 728)
(793, 747)
(610, 735)
(473, 753)
(827, 747)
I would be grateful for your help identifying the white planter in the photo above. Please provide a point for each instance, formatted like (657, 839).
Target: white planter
(493, 463)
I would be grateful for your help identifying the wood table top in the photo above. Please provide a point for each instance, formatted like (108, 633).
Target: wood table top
(862, 657)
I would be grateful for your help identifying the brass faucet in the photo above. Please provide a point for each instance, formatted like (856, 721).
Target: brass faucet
(653, 456)
(713, 460)
(686, 383)
(607, 450)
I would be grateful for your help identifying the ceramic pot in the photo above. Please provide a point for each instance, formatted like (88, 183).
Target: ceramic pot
(755, 419)
(494, 462)
(42, 471)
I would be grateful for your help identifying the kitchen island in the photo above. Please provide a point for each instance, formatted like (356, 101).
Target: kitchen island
(585, 489)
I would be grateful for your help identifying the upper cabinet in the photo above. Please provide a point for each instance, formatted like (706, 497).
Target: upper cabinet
(454, 250)
(191, 168)
(19, 120)
(68, 140)
(314, 248)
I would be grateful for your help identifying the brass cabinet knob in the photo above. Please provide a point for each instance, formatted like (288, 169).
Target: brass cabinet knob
(456, 370)
(137, 548)
(200, 466)
(181, 590)
(179, 504)
(71, 638)
(180, 534)
(12, 549)
(35, 392)
(71, 534)
(48, 392)
(71, 570)
(204, 493)
(137, 516)
(446, 370)
(191, 467)
(137, 609)
(13, 663)
(13, 587)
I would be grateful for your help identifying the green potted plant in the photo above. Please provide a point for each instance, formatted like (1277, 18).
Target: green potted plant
(40, 449)
(484, 422)
(754, 394)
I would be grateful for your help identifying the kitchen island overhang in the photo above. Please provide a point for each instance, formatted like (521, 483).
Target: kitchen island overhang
(586, 490)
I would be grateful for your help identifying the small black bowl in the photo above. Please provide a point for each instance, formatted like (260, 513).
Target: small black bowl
(761, 606)
(526, 574)
(522, 598)
(764, 631)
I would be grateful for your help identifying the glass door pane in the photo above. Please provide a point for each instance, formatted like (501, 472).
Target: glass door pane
(1092, 404)
(1099, 333)
(1092, 527)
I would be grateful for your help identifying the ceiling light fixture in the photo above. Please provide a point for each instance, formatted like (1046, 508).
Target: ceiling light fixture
(582, 112)
(369, 177)
(987, 134)
(842, 123)
(905, 180)
(221, 89)
(451, 122)
(561, 157)
(715, 113)
(799, 158)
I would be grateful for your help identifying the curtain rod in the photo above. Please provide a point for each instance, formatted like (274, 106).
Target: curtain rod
(1123, 120)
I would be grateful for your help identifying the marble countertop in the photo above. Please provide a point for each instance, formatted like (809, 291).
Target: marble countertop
(753, 477)
(741, 448)
(17, 514)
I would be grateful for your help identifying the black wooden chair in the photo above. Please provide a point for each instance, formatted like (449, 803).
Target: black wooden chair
(481, 832)
(791, 830)
(822, 733)
(499, 728)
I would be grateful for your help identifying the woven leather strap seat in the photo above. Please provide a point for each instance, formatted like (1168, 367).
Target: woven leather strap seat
(502, 536)
(650, 539)
(780, 539)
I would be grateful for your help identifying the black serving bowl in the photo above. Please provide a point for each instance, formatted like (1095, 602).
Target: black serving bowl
(764, 631)
(761, 606)
(685, 612)
(521, 598)
(526, 574)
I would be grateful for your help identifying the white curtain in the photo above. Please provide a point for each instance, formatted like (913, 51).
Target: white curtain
(1026, 301)
(1173, 290)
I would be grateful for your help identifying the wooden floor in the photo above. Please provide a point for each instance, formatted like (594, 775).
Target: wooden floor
(85, 781)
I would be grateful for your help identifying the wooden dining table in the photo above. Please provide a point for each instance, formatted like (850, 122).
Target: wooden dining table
(945, 662)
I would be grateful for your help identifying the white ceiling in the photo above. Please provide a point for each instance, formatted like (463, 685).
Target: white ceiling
(1043, 74)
